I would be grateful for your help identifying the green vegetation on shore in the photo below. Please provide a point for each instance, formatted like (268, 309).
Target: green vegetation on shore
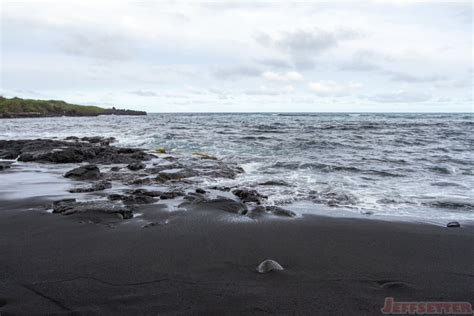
(17, 107)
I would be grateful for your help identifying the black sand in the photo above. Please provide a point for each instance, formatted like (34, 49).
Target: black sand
(197, 263)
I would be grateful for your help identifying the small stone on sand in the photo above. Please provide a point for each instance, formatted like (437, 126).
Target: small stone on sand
(453, 224)
(268, 266)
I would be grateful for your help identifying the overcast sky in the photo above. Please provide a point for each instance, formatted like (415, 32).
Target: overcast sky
(164, 56)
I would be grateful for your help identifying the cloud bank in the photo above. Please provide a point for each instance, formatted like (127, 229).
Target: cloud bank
(241, 56)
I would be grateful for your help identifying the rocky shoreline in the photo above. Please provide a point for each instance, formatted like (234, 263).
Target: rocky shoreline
(146, 177)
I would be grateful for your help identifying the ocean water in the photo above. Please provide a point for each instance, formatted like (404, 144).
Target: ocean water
(418, 166)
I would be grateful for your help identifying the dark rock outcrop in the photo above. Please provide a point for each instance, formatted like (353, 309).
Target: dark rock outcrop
(100, 186)
(248, 195)
(164, 195)
(275, 210)
(138, 199)
(179, 169)
(71, 206)
(227, 205)
(63, 151)
(220, 170)
(453, 224)
(203, 201)
(157, 168)
(145, 192)
(4, 166)
(171, 195)
(204, 156)
(219, 203)
(176, 174)
(132, 199)
(104, 141)
(220, 188)
(137, 165)
(87, 172)
(115, 197)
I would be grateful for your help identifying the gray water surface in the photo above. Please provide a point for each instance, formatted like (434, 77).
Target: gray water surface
(406, 165)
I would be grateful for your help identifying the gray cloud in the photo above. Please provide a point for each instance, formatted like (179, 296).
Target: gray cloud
(460, 83)
(236, 5)
(401, 96)
(404, 77)
(365, 60)
(95, 45)
(221, 94)
(303, 46)
(312, 42)
(360, 66)
(238, 72)
(144, 93)
(370, 61)
(216, 91)
(70, 38)
(275, 63)
(262, 92)
(444, 99)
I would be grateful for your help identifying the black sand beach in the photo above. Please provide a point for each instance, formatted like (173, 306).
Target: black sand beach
(196, 263)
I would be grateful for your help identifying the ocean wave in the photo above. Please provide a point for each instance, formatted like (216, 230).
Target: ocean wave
(446, 184)
(443, 169)
(328, 167)
(269, 130)
(383, 173)
(332, 168)
(459, 161)
(452, 203)
(319, 144)
(387, 160)
(347, 127)
(256, 138)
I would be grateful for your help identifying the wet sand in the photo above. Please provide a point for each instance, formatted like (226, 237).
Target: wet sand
(200, 262)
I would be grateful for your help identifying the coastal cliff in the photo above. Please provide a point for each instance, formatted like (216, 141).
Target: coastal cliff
(19, 108)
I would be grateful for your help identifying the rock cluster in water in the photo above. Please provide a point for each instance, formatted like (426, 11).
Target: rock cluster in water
(147, 177)
(71, 206)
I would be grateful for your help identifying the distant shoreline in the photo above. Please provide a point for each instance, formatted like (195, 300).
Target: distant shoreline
(40, 115)
(28, 108)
